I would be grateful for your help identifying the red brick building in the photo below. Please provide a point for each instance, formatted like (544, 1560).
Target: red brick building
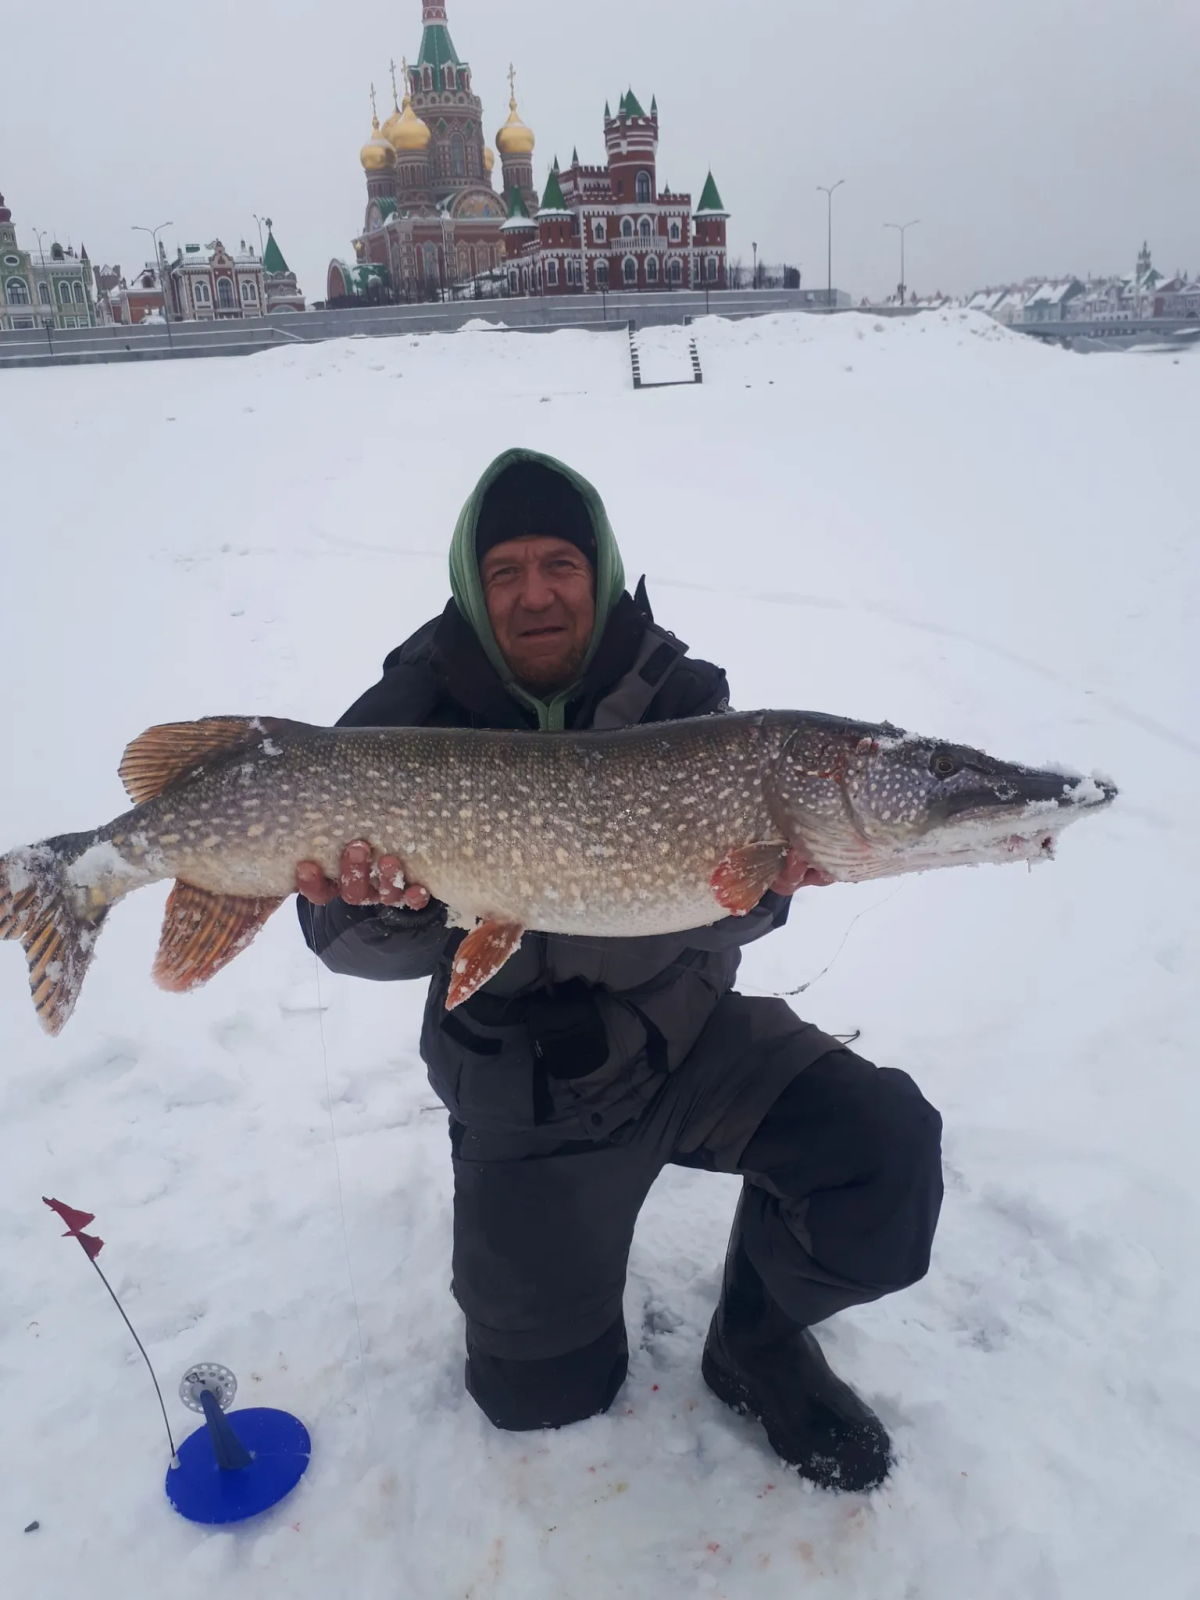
(435, 223)
(433, 218)
(612, 227)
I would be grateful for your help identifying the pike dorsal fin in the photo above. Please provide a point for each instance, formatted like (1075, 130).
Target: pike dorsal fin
(160, 755)
(202, 933)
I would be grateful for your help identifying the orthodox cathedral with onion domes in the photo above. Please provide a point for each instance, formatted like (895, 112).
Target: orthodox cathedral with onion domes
(434, 221)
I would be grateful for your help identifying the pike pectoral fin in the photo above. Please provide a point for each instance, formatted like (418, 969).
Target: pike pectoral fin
(202, 932)
(741, 878)
(479, 957)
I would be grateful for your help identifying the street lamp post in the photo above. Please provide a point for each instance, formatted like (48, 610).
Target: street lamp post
(901, 228)
(828, 193)
(47, 322)
(158, 272)
(754, 273)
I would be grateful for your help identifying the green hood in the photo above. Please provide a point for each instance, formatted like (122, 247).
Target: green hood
(467, 589)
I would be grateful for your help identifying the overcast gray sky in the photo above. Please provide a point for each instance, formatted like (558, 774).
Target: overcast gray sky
(1029, 136)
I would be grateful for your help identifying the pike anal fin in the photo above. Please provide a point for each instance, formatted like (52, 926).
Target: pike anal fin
(479, 957)
(202, 933)
(741, 878)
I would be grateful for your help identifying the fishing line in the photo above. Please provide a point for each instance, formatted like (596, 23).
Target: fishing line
(582, 943)
(337, 1162)
(787, 994)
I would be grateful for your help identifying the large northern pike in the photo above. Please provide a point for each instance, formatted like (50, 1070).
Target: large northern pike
(646, 830)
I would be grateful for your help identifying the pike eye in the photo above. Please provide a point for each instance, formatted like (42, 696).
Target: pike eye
(944, 765)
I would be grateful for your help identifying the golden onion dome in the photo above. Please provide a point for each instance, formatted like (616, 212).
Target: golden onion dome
(377, 154)
(405, 131)
(489, 160)
(514, 138)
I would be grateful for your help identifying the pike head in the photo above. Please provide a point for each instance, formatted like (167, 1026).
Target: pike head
(872, 802)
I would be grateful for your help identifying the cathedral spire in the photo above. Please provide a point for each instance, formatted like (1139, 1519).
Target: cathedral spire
(437, 47)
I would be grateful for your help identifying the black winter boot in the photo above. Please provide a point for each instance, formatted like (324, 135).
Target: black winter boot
(758, 1361)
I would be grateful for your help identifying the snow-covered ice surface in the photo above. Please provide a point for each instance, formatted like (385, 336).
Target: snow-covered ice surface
(930, 520)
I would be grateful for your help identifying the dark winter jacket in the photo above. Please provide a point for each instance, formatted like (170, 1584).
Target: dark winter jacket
(572, 1034)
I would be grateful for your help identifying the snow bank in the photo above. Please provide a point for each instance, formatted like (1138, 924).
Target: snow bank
(931, 520)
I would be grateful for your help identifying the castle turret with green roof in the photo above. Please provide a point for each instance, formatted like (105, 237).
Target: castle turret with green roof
(631, 139)
(709, 232)
(282, 292)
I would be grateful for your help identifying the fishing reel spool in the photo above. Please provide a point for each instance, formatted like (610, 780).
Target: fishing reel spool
(237, 1466)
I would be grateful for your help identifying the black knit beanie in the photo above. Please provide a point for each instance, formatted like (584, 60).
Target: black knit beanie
(530, 501)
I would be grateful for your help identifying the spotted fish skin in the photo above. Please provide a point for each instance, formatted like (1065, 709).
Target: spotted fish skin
(646, 830)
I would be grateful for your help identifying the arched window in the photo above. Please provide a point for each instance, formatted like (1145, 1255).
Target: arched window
(598, 230)
(64, 292)
(225, 294)
(201, 294)
(427, 77)
(464, 263)
(675, 270)
(249, 292)
(674, 233)
(645, 227)
(645, 186)
(602, 274)
(429, 256)
(630, 270)
(448, 74)
(77, 292)
(16, 292)
(44, 293)
(514, 283)
(710, 269)
(458, 156)
(552, 274)
(627, 227)
(651, 269)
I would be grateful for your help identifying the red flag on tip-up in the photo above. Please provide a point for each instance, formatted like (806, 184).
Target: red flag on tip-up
(76, 1221)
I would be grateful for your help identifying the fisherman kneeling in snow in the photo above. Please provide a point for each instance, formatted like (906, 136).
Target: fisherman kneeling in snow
(586, 1065)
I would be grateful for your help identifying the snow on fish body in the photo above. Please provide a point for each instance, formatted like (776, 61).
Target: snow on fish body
(646, 830)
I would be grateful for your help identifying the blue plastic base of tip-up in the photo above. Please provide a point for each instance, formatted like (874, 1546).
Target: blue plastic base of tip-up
(236, 1466)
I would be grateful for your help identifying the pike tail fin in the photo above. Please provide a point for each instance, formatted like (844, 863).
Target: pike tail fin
(55, 921)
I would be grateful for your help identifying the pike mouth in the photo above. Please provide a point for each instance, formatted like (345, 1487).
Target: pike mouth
(1038, 794)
